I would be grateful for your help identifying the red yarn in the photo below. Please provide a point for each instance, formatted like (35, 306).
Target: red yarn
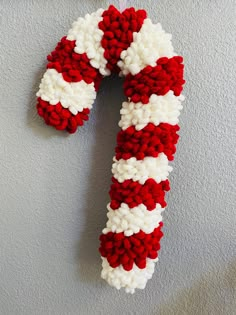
(165, 76)
(118, 31)
(149, 141)
(133, 193)
(152, 140)
(128, 250)
(61, 118)
(74, 67)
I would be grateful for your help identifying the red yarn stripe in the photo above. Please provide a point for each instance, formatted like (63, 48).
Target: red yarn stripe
(129, 250)
(133, 193)
(165, 76)
(118, 31)
(149, 141)
(74, 67)
(61, 118)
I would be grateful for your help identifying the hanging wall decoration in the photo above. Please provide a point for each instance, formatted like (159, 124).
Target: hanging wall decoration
(127, 43)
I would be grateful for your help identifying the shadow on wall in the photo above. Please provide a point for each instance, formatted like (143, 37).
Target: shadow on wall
(214, 294)
(108, 104)
(103, 124)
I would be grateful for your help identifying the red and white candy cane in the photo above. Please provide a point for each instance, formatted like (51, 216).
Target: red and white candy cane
(127, 43)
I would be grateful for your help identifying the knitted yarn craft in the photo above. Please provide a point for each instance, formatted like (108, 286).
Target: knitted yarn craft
(127, 43)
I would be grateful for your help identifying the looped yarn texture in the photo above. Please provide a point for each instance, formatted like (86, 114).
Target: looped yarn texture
(129, 44)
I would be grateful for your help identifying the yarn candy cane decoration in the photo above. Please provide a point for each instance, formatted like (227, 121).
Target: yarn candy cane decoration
(127, 43)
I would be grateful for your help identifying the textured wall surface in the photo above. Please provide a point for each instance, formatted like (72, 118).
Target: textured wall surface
(54, 187)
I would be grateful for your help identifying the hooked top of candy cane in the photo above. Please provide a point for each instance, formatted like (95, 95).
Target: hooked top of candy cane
(101, 43)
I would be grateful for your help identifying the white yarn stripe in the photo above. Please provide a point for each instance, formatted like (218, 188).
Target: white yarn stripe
(149, 44)
(160, 109)
(132, 220)
(141, 170)
(88, 38)
(75, 95)
(130, 280)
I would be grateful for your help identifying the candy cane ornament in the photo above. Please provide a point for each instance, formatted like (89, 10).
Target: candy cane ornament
(128, 43)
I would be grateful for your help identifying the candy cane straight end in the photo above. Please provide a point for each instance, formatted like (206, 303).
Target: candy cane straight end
(129, 44)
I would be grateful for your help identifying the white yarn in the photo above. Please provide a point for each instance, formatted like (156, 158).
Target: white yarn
(88, 38)
(141, 170)
(75, 95)
(149, 44)
(130, 280)
(132, 220)
(160, 109)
